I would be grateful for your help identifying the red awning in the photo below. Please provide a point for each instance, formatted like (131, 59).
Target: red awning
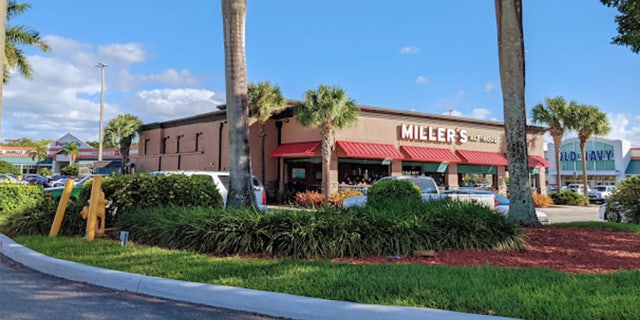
(430, 154)
(483, 158)
(369, 150)
(295, 150)
(539, 161)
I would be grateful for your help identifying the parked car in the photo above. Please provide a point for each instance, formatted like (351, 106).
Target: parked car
(221, 180)
(600, 193)
(427, 185)
(56, 192)
(576, 187)
(502, 202)
(8, 178)
(34, 178)
(605, 215)
(429, 190)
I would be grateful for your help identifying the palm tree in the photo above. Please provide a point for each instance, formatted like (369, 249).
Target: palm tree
(40, 153)
(512, 76)
(120, 131)
(587, 121)
(553, 115)
(20, 35)
(328, 109)
(71, 150)
(265, 100)
(240, 187)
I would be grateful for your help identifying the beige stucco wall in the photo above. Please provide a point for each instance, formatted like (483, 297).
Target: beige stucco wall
(374, 125)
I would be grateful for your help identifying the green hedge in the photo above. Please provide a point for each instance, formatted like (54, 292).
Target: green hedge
(569, 197)
(16, 198)
(7, 167)
(126, 192)
(325, 233)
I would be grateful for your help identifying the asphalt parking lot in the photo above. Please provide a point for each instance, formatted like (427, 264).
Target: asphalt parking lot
(572, 213)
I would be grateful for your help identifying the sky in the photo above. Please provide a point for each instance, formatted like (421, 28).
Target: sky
(166, 59)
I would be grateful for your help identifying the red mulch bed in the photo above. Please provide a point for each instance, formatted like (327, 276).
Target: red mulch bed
(571, 250)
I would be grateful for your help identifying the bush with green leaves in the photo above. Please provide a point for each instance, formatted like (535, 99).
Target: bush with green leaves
(45, 171)
(387, 192)
(7, 167)
(16, 198)
(624, 203)
(569, 197)
(38, 221)
(325, 233)
(146, 191)
(70, 170)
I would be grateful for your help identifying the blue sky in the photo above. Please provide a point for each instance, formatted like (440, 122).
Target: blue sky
(166, 59)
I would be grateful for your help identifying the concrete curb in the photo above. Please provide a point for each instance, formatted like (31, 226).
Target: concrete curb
(261, 302)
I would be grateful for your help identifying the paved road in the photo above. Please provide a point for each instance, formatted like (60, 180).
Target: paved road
(27, 294)
(572, 213)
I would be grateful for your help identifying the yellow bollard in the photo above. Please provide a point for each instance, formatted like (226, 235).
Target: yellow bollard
(62, 207)
(94, 203)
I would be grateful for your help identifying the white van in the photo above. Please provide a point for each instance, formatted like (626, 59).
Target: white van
(221, 180)
(577, 187)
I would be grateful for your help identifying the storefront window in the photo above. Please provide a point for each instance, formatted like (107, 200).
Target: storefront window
(361, 171)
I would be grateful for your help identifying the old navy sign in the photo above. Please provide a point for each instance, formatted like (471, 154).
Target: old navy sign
(592, 155)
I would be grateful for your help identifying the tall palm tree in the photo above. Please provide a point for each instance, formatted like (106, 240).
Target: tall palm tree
(17, 36)
(553, 115)
(40, 153)
(512, 75)
(327, 108)
(265, 100)
(587, 121)
(71, 150)
(120, 131)
(241, 193)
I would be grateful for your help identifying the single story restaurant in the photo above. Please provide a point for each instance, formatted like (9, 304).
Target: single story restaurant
(457, 152)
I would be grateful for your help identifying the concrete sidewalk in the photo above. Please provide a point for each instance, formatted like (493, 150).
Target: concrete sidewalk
(266, 303)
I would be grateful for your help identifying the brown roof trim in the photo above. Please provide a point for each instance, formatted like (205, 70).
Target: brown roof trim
(199, 118)
(288, 113)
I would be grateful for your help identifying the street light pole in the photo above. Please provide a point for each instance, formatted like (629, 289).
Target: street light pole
(101, 134)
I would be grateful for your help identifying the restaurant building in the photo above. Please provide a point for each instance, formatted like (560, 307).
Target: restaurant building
(457, 152)
(21, 157)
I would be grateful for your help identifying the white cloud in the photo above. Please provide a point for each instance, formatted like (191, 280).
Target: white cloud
(449, 102)
(64, 94)
(625, 127)
(422, 80)
(409, 50)
(166, 104)
(122, 54)
(480, 113)
(488, 87)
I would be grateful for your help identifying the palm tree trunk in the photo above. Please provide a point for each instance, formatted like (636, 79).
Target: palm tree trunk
(3, 28)
(583, 154)
(262, 156)
(557, 140)
(240, 187)
(327, 138)
(512, 77)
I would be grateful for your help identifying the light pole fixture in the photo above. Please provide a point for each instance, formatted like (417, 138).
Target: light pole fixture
(101, 133)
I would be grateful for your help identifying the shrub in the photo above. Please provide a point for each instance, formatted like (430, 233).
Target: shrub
(337, 198)
(44, 171)
(541, 200)
(568, 197)
(16, 198)
(6, 167)
(385, 192)
(70, 170)
(624, 202)
(38, 221)
(309, 198)
(325, 233)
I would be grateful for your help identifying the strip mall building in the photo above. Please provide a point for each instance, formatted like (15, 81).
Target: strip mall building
(455, 151)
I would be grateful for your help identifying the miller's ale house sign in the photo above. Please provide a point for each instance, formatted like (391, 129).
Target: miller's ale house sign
(414, 132)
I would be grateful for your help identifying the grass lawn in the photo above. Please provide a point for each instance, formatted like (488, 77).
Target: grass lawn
(530, 293)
